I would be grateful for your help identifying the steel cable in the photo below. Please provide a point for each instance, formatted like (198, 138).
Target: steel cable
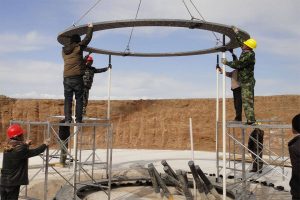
(192, 18)
(218, 39)
(89, 10)
(131, 33)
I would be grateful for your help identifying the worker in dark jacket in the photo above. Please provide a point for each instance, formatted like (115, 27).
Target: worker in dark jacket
(74, 67)
(88, 78)
(245, 65)
(294, 150)
(255, 144)
(14, 171)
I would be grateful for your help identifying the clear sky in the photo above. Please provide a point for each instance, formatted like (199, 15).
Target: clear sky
(31, 65)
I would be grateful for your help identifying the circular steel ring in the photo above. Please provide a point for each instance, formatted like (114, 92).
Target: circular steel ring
(64, 37)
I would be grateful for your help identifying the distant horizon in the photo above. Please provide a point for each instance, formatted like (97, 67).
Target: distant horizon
(1, 96)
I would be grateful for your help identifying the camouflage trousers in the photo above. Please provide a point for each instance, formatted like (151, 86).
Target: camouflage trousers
(248, 100)
(85, 99)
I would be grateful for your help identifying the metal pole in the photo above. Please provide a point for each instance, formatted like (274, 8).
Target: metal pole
(191, 139)
(28, 135)
(80, 152)
(282, 152)
(217, 120)
(229, 149)
(109, 135)
(109, 89)
(44, 134)
(243, 164)
(234, 155)
(75, 159)
(192, 153)
(224, 122)
(94, 151)
(46, 166)
(110, 159)
(270, 132)
(108, 114)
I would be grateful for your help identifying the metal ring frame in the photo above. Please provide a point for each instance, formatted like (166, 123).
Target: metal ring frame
(64, 37)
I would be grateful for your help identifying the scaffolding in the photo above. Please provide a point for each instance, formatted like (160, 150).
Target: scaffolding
(239, 156)
(83, 139)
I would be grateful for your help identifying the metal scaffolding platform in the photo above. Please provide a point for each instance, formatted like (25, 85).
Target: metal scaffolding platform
(83, 138)
(238, 155)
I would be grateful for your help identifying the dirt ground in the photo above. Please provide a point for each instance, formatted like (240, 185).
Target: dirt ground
(149, 124)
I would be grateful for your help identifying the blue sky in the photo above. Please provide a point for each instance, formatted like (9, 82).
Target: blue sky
(30, 56)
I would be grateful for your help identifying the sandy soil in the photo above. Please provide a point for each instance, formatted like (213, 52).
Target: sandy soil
(149, 124)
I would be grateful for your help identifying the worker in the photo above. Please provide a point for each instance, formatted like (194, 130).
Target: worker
(74, 68)
(14, 172)
(245, 65)
(255, 146)
(294, 151)
(236, 89)
(88, 78)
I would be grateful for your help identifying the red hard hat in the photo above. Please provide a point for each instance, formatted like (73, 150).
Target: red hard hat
(14, 130)
(90, 58)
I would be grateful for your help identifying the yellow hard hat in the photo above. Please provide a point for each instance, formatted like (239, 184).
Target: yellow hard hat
(250, 43)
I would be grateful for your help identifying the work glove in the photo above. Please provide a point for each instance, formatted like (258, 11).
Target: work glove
(219, 69)
(85, 58)
(28, 142)
(235, 29)
(224, 61)
(47, 141)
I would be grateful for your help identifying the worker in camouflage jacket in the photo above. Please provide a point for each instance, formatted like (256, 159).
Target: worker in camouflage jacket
(245, 65)
(88, 78)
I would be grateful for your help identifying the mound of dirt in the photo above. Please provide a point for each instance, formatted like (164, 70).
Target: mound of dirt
(151, 124)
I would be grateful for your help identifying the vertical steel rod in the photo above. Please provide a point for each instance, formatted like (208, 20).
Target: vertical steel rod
(243, 164)
(94, 150)
(224, 123)
(80, 151)
(110, 160)
(217, 120)
(282, 153)
(192, 154)
(75, 160)
(46, 165)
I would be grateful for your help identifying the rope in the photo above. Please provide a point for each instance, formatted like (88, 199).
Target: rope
(89, 10)
(129, 40)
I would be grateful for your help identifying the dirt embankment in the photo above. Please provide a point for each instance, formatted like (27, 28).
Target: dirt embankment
(151, 124)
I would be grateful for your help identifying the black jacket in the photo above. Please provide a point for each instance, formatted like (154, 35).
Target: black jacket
(294, 150)
(72, 54)
(256, 140)
(15, 164)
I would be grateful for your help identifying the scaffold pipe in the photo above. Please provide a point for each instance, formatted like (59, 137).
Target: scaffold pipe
(224, 122)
